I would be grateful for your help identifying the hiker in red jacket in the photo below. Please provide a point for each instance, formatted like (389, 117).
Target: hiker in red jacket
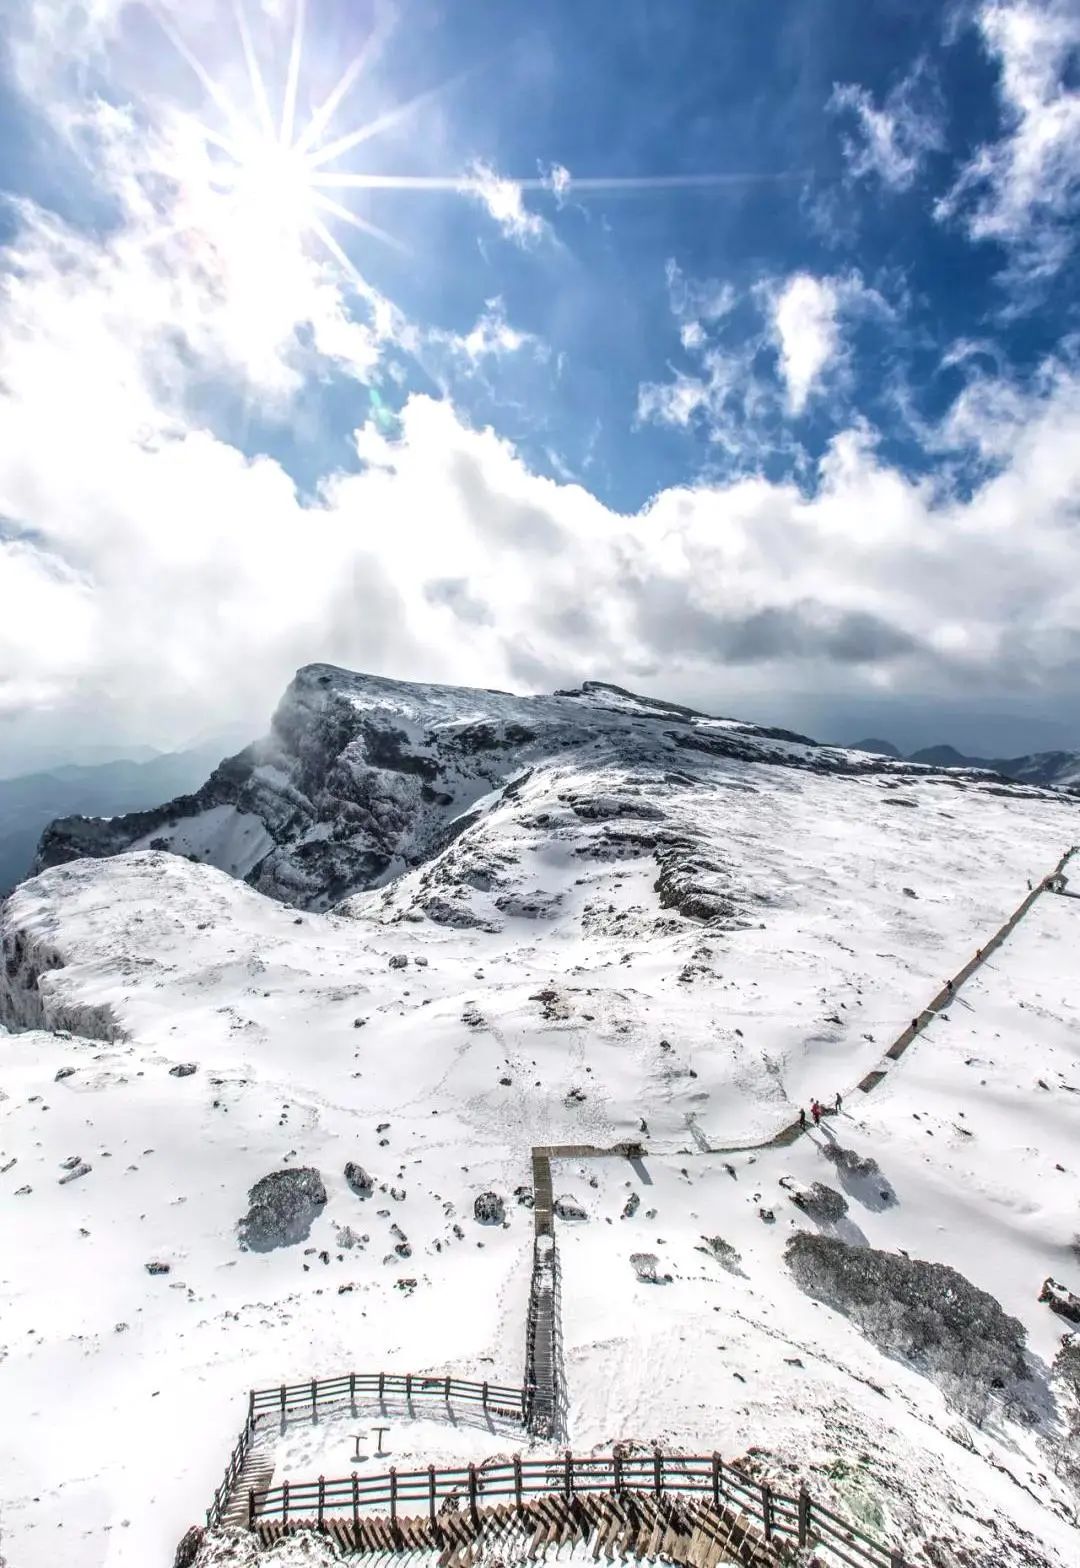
(815, 1112)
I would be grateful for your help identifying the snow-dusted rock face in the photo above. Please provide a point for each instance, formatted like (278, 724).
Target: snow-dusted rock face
(362, 778)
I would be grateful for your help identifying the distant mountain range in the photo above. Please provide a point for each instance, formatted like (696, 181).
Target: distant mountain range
(1060, 769)
(29, 802)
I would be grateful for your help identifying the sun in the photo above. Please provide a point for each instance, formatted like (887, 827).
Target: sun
(276, 175)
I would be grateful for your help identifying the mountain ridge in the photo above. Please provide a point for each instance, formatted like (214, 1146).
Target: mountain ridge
(361, 777)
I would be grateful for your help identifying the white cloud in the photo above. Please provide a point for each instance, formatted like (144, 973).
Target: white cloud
(505, 203)
(890, 142)
(807, 315)
(807, 332)
(1024, 189)
(149, 568)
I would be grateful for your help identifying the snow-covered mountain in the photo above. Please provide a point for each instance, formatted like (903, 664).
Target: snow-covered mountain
(362, 778)
(1058, 769)
(496, 922)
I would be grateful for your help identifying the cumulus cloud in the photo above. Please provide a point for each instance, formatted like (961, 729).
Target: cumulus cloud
(156, 567)
(807, 315)
(1023, 190)
(505, 203)
(890, 142)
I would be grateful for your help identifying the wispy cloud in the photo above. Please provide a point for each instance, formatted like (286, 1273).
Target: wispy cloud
(1023, 190)
(505, 204)
(890, 142)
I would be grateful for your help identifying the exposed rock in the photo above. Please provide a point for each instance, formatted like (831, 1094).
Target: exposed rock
(188, 1549)
(489, 1208)
(1060, 1300)
(62, 1073)
(820, 1201)
(283, 1206)
(398, 961)
(849, 1162)
(358, 1179)
(81, 1168)
(183, 1070)
(631, 1206)
(524, 1196)
(156, 1267)
(568, 1208)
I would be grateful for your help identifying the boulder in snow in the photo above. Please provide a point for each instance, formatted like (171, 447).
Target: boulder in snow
(398, 961)
(283, 1206)
(358, 1179)
(489, 1208)
(1064, 1302)
(568, 1208)
(183, 1069)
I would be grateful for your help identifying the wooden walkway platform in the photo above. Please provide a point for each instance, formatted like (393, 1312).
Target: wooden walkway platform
(686, 1531)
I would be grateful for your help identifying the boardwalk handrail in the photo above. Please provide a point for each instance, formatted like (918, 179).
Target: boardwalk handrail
(797, 1518)
(397, 1387)
(405, 1386)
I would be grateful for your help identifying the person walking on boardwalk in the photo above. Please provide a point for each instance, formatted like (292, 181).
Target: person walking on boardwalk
(948, 987)
(839, 1103)
(802, 1119)
(815, 1112)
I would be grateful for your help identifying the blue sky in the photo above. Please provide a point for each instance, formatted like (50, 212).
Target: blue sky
(725, 350)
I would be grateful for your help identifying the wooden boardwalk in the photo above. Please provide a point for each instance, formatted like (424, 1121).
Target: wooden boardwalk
(543, 1334)
(687, 1531)
(794, 1130)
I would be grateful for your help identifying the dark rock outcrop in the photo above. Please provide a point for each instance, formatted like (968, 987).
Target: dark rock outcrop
(283, 1207)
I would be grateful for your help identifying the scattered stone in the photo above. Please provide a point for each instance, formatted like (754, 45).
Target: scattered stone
(398, 1194)
(22, 1192)
(358, 1023)
(157, 1268)
(568, 1208)
(183, 1069)
(82, 1169)
(909, 892)
(524, 1196)
(1064, 1302)
(820, 1201)
(631, 1206)
(421, 963)
(358, 1180)
(398, 961)
(63, 1072)
(489, 1208)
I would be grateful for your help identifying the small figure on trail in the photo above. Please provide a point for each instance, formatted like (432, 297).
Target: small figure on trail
(839, 1103)
(1029, 884)
(978, 952)
(815, 1112)
(802, 1119)
(644, 1126)
(914, 1026)
(948, 987)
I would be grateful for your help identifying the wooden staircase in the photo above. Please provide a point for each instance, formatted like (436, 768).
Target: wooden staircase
(689, 1532)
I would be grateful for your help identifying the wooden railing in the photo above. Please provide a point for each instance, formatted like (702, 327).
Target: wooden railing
(384, 1387)
(797, 1519)
(289, 1399)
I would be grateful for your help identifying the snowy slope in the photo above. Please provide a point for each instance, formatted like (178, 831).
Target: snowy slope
(631, 923)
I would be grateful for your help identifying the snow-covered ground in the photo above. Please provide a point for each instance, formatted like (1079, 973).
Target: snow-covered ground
(575, 1009)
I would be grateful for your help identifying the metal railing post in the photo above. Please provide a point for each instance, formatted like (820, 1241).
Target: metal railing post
(285, 1500)
(766, 1509)
(717, 1464)
(314, 1400)
(568, 1475)
(431, 1502)
(393, 1501)
(251, 1508)
(658, 1471)
(322, 1501)
(517, 1484)
(355, 1503)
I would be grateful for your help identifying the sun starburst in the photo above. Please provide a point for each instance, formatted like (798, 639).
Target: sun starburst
(278, 174)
